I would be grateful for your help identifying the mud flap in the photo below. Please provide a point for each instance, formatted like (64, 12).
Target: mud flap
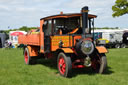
(101, 49)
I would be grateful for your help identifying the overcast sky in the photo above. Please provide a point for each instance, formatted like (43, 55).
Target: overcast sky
(18, 13)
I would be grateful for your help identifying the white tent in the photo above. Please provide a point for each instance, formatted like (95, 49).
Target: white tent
(13, 36)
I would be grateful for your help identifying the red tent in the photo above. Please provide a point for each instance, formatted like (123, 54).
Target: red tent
(16, 33)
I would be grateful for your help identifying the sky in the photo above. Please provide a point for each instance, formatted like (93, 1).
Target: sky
(18, 13)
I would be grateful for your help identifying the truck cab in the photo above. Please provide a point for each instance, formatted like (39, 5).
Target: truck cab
(62, 31)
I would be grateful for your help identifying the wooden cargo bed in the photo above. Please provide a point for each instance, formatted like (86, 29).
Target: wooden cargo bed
(29, 39)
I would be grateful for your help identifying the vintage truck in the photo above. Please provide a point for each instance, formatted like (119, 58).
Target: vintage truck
(67, 38)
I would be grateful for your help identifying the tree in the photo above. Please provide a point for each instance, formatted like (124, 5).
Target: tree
(25, 28)
(120, 8)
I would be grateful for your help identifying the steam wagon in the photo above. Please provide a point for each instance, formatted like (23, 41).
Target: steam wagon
(68, 38)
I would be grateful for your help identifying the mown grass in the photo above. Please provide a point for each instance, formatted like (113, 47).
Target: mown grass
(13, 71)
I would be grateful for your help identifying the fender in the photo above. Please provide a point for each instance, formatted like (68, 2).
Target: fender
(101, 49)
(67, 50)
(33, 51)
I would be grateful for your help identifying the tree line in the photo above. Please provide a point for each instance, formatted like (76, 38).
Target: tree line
(23, 28)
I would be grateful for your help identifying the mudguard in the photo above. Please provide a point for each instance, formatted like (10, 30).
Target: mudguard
(101, 49)
(67, 50)
(33, 51)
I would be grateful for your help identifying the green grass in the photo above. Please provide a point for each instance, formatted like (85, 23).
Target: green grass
(13, 71)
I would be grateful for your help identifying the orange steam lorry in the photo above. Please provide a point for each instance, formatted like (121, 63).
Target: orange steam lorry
(68, 39)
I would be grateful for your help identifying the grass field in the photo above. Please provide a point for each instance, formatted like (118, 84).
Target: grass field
(13, 71)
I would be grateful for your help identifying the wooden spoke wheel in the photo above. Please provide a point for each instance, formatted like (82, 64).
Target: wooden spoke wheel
(64, 65)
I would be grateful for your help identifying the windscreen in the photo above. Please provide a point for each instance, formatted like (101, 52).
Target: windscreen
(67, 25)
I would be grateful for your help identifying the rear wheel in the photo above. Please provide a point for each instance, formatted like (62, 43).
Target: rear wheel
(27, 57)
(100, 65)
(123, 46)
(64, 65)
(117, 46)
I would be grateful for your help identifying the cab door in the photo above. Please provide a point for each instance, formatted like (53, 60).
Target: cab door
(47, 29)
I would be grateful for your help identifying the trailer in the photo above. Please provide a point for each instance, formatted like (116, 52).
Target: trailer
(68, 39)
(112, 38)
(2, 39)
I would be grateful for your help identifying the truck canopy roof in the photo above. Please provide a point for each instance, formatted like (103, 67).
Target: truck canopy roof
(69, 15)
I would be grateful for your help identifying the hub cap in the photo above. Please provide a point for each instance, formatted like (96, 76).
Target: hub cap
(26, 57)
(62, 65)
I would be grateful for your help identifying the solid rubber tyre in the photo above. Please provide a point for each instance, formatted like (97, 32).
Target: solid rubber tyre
(117, 46)
(100, 64)
(64, 65)
(103, 64)
(123, 46)
(27, 57)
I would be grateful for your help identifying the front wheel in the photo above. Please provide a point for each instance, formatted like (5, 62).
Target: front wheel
(100, 65)
(64, 65)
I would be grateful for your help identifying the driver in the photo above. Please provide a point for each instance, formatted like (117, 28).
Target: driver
(59, 32)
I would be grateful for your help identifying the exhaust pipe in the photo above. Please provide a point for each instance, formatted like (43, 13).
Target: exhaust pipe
(85, 20)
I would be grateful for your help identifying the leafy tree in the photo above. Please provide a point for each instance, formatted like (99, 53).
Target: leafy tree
(23, 28)
(120, 8)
